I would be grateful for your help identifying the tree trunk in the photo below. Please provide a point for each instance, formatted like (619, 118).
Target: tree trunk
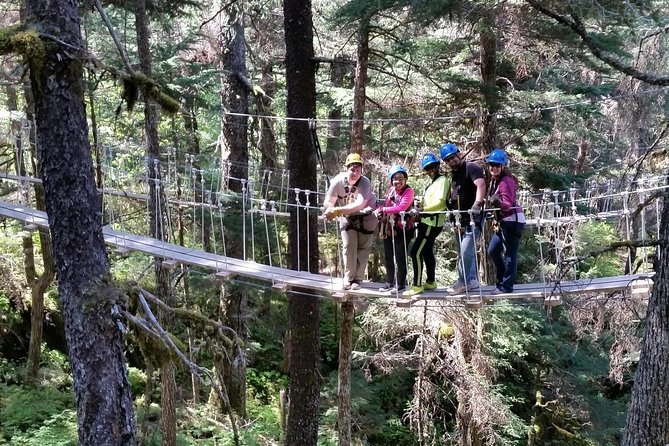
(340, 76)
(157, 210)
(234, 96)
(344, 373)
(359, 94)
(87, 293)
(303, 312)
(347, 311)
(267, 143)
(234, 306)
(37, 284)
(648, 416)
(488, 119)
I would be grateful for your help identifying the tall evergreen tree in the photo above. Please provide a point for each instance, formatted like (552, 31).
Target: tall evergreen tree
(88, 295)
(303, 310)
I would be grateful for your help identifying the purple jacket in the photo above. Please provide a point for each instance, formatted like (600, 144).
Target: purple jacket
(506, 189)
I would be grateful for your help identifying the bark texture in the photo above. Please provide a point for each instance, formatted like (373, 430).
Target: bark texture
(303, 309)
(344, 373)
(234, 96)
(648, 415)
(102, 392)
(158, 227)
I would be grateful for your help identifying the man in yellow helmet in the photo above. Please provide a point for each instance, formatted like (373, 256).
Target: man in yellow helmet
(350, 193)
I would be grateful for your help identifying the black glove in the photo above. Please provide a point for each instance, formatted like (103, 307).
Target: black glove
(495, 201)
(476, 208)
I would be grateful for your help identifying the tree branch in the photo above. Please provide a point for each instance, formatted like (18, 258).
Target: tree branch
(577, 26)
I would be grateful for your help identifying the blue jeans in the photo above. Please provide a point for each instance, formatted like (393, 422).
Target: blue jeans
(467, 260)
(503, 251)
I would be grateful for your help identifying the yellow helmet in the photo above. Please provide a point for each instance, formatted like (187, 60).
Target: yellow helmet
(353, 158)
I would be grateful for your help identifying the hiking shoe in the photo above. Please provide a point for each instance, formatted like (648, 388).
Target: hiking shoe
(414, 290)
(499, 290)
(347, 286)
(459, 287)
(355, 285)
(387, 288)
(473, 285)
(430, 285)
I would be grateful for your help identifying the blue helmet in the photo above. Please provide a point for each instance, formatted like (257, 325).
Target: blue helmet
(497, 156)
(428, 160)
(396, 169)
(447, 150)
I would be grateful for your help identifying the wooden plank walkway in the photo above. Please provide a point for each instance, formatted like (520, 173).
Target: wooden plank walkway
(282, 278)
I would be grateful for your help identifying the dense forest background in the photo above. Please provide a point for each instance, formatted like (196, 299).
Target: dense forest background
(573, 90)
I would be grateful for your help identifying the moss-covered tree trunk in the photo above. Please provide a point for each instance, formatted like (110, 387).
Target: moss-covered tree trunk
(88, 296)
(648, 416)
(303, 309)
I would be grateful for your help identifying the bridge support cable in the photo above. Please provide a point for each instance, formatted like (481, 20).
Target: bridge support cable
(249, 196)
(472, 225)
(244, 219)
(626, 217)
(298, 217)
(307, 210)
(263, 209)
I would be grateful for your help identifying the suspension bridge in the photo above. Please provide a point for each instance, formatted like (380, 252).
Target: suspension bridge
(202, 200)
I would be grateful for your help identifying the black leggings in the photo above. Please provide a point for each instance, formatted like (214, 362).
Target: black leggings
(422, 253)
(396, 248)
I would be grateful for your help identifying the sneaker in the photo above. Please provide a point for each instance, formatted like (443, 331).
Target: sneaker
(387, 288)
(459, 287)
(355, 285)
(414, 290)
(496, 291)
(430, 285)
(346, 286)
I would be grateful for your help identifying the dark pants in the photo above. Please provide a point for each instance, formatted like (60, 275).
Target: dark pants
(395, 249)
(422, 253)
(503, 249)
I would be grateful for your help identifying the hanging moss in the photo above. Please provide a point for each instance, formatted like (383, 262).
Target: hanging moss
(26, 42)
(166, 102)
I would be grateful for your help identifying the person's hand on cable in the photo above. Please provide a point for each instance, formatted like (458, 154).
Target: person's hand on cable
(378, 212)
(495, 201)
(476, 208)
(367, 210)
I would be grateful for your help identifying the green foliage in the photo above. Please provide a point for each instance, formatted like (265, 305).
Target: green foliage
(24, 409)
(137, 379)
(10, 373)
(591, 236)
(264, 386)
(59, 429)
(377, 406)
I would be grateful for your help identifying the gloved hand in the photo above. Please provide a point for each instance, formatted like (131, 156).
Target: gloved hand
(332, 213)
(476, 208)
(378, 212)
(414, 212)
(495, 201)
